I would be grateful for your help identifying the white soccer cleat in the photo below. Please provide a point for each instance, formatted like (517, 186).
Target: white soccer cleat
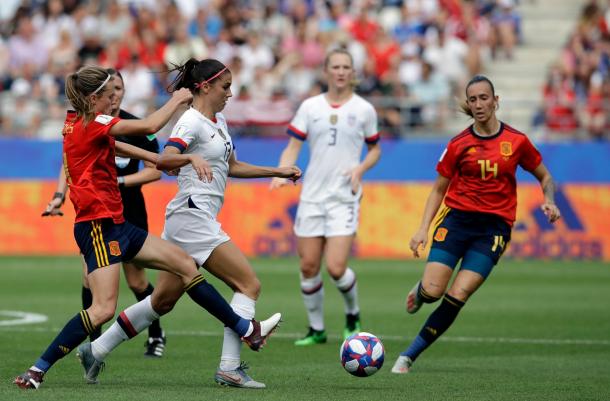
(402, 365)
(261, 331)
(269, 325)
(414, 301)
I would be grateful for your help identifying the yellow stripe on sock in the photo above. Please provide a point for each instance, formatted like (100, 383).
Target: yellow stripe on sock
(452, 302)
(194, 282)
(86, 321)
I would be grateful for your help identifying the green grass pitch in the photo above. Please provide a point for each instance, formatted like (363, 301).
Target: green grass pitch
(534, 331)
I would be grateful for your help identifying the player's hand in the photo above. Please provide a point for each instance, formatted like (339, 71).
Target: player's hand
(201, 167)
(277, 182)
(420, 238)
(293, 173)
(355, 180)
(183, 95)
(53, 208)
(551, 211)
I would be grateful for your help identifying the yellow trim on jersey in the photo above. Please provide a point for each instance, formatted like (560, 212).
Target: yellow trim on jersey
(86, 321)
(98, 244)
(441, 217)
(194, 282)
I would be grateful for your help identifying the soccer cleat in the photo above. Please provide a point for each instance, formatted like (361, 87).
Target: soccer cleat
(262, 331)
(92, 366)
(155, 346)
(414, 301)
(312, 337)
(237, 378)
(352, 325)
(402, 365)
(31, 379)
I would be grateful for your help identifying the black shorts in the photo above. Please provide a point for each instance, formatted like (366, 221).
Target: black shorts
(479, 239)
(104, 243)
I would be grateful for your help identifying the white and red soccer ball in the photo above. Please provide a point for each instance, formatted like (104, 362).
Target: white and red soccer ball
(362, 354)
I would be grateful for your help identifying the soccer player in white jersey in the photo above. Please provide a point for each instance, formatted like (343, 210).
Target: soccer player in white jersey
(336, 124)
(201, 147)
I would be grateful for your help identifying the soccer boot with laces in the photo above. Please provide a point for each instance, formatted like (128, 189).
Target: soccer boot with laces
(312, 337)
(237, 378)
(31, 379)
(92, 366)
(155, 346)
(402, 365)
(352, 325)
(262, 331)
(414, 301)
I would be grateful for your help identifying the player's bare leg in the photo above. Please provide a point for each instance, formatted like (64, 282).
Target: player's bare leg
(310, 251)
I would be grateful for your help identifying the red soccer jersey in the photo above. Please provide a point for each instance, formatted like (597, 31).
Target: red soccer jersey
(482, 170)
(90, 168)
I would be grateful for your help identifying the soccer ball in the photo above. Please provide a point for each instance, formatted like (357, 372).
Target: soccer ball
(362, 354)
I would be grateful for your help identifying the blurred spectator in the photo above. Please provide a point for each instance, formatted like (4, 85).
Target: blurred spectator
(116, 22)
(139, 85)
(431, 95)
(26, 47)
(505, 21)
(184, 47)
(560, 102)
(594, 115)
(21, 115)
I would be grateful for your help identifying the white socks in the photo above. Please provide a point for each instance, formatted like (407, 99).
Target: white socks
(129, 323)
(313, 297)
(349, 289)
(231, 344)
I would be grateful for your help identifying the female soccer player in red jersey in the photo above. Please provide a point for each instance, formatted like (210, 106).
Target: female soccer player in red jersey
(104, 237)
(477, 180)
(130, 178)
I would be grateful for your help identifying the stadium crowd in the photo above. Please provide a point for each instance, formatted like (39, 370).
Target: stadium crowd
(577, 90)
(411, 56)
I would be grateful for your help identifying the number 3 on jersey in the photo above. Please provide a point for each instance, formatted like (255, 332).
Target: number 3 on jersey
(486, 167)
(333, 137)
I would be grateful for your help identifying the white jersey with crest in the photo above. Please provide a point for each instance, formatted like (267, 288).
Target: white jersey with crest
(336, 135)
(194, 133)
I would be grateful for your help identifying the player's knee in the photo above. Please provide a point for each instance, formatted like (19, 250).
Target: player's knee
(100, 314)
(309, 268)
(162, 305)
(137, 285)
(433, 291)
(460, 294)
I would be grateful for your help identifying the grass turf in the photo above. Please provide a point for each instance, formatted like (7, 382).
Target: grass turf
(534, 331)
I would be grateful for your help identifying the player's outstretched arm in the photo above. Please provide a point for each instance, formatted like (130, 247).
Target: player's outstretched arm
(171, 160)
(432, 205)
(288, 158)
(54, 206)
(548, 186)
(156, 120)
(240, 169)
(126, 150)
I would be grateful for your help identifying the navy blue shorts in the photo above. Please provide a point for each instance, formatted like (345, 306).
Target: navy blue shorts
(479, 239)
(104, 243)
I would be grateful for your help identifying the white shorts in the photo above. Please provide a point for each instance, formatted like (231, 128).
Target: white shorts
(195, 231)
(327, 219)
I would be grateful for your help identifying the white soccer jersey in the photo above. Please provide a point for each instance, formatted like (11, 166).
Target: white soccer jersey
(194, 133)
(335, 136)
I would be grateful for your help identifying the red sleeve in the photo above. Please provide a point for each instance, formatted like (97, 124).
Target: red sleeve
(530, 158)
(103, 123)
(447, 163)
